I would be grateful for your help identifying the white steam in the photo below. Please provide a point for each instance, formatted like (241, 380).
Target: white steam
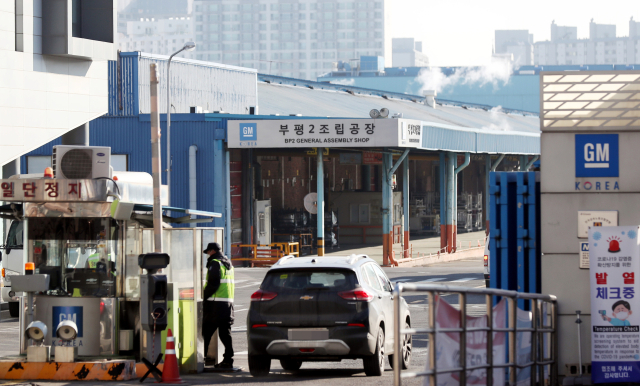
(344, 82)
(498, 120)
(496, 73)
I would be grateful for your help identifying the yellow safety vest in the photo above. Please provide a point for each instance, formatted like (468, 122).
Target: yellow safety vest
(226, 289)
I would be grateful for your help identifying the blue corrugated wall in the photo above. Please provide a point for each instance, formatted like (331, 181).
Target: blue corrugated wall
(132, 136)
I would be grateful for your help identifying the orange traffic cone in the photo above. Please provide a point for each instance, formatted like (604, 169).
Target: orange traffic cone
(170, 372)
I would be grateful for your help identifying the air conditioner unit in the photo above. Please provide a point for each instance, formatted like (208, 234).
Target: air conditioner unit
(81, 162)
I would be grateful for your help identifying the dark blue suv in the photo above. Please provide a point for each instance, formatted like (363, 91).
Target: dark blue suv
(324, 309)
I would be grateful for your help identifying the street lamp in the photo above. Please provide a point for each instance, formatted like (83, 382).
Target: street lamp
(189, 46)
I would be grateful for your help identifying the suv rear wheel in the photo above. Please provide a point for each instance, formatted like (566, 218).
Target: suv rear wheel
(259, 365)
(374, 364)
(290, 364)
(407, 346)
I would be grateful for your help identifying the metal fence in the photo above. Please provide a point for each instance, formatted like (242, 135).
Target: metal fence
(543, 309)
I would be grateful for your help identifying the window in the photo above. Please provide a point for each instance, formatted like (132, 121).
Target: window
(78, 254)
(76, 18)
(120, 162)
(37, 164)
(373, 278)
(386, 284)
(290, 280)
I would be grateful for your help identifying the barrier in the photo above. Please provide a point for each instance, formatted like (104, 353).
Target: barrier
(543, 308)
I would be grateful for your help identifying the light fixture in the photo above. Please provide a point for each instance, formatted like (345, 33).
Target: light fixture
(384, 112)
(37, 331)
(67, 330)
(374, 114)
(189, 46)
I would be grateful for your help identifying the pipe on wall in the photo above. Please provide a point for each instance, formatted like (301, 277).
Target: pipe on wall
(193, 187)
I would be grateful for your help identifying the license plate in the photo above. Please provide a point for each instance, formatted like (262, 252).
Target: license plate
(309, 334)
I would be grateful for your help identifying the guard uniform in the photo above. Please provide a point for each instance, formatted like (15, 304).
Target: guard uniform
(218, 302)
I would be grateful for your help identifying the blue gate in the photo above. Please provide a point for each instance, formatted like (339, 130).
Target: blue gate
(514, 226)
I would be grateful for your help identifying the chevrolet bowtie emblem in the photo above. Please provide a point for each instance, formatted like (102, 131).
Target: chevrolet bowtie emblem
(306, 297)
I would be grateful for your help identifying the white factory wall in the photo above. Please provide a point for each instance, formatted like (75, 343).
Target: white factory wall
(41, 96)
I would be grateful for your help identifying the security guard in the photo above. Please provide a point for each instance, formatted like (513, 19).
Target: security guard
(218, 304)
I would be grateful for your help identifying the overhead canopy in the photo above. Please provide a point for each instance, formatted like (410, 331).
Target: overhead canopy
(376, 133)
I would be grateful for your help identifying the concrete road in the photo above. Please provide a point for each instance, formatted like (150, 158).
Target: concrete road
(349, 372)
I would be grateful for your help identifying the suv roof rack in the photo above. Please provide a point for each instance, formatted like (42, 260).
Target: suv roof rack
(283, 259)
(353, 258)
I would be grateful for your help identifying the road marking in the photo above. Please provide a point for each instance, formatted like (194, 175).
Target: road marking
(416, 301)
(432, 280)
(239, 329)
(244, 309)
(241, 353)
(239, 281)
(464, 279)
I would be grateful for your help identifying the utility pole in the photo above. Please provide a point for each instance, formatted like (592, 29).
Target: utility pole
(155, 160)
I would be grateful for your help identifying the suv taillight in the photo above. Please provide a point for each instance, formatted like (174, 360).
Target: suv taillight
(359, 294)
(262, 296)
(486, 260)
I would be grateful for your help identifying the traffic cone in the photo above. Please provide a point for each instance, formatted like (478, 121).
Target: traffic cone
(170, 372)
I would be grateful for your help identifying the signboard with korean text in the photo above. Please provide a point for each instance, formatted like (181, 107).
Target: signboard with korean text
(39, 190)
(371, 158)
(305, 133)
(589, 219)
(410, 134)
(615, 311)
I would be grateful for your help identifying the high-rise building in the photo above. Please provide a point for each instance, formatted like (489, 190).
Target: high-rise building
(602, 46)
(519, 43)
(155, 26)
(406, 52)
(301, 38)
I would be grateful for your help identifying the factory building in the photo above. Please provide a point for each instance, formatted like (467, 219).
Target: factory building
(419, 167)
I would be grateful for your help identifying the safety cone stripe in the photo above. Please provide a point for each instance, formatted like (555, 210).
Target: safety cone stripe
(170, 372)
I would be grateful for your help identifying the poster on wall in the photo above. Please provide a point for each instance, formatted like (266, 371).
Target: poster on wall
(614, 255)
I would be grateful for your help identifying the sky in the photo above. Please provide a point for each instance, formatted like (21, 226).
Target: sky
(461, 32)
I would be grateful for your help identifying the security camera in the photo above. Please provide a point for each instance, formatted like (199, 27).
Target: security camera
(384, 112)
(374, 114)
(37, 331)
(67, 330)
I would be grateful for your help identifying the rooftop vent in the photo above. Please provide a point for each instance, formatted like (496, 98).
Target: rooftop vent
(430, 98)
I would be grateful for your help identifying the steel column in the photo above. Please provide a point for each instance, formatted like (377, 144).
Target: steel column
(451, 204)
(320, 202)
(458, 169)
(227, 212)
(443, 196)
(387, 206)
(405, 204)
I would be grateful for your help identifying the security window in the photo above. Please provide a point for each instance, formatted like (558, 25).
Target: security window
(37, 164)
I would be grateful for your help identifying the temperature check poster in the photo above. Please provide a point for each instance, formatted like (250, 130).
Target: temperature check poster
(615, 309)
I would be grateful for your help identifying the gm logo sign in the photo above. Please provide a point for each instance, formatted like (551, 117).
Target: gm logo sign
(597, 155)
(62, 313)
(248, 131)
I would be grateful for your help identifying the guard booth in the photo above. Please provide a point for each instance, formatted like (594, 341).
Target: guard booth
(87, 234)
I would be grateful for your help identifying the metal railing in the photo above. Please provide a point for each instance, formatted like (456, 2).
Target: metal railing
(538, 361)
